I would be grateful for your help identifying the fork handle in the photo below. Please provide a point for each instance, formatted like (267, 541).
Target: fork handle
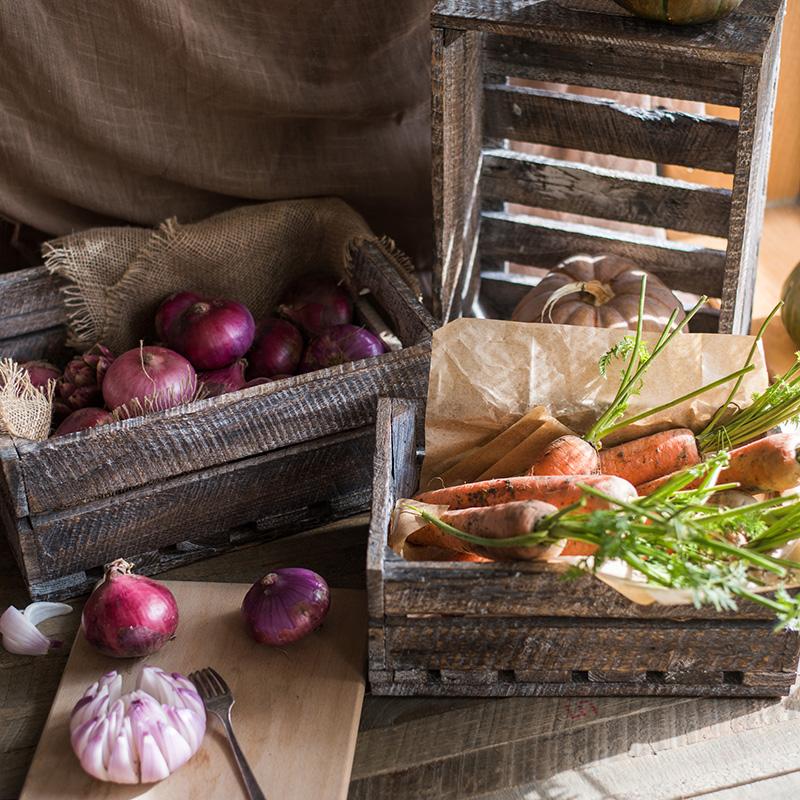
(250, 782)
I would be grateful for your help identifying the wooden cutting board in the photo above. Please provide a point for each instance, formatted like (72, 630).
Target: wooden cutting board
(296, 713)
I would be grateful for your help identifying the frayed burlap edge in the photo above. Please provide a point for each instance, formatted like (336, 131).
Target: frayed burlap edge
(25, 411)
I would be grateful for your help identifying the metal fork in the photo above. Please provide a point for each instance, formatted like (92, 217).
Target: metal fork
(218, 700)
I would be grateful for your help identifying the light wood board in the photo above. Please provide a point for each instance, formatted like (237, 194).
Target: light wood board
(296, 713)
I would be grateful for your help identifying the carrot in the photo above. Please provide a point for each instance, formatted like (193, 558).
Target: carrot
(501, 521)
(771, 464)
(567, 455)
(648, 458)
(558, 490)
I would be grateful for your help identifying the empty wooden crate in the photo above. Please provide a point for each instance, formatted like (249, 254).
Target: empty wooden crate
(484, 120)
(192, 481)
(503, 629)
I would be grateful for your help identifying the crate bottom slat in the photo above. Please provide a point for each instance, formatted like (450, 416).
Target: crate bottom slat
(433, 683)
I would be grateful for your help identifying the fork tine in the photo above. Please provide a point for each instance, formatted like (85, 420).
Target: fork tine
(200, 680)
(220, 680)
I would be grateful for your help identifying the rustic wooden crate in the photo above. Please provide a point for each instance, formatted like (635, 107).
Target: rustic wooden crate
(477, 112)
(503, 629)
(177, 485)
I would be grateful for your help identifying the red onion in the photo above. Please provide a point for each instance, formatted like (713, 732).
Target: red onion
(129, 615)
(149, 379)
(212, 333)
(285, 605)
(40, 372)
(82, 382)
(82, 419)
(222, 381)
(277, 349)
(170, 309)
(316, 302)
(340, 345)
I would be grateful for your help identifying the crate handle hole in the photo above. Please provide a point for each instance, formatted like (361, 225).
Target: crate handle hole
(435, 675)
(580, 676)
(656, 676)
(733, 678)
(506, 676)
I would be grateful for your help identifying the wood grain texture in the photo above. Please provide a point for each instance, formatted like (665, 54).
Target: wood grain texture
(542, 242)
(575, 188)
(619, 66)
(29, 302)
(48, 344)
(296, 713)
(599, 125)
(750, 188)
(738, 39)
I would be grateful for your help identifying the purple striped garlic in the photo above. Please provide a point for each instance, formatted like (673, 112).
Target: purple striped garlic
(142, 736)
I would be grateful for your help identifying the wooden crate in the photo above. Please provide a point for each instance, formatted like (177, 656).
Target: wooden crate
(478, 114)
(177, 485)
(503, 629)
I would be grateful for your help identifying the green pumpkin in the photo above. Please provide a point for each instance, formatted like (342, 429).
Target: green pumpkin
(790, 313)
(680, 12)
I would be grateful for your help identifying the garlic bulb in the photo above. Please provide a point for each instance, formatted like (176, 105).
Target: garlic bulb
(19, 631)
(142, 736)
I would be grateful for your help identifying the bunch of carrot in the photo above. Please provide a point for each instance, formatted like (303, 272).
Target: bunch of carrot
(675, 538)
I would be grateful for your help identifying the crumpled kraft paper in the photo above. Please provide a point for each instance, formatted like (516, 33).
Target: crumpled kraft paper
(485, 374)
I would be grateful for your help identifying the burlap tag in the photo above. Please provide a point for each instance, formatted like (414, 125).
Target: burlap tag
(25, 411)
(115, 278)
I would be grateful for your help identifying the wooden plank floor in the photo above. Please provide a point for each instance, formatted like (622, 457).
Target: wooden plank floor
(516, 749)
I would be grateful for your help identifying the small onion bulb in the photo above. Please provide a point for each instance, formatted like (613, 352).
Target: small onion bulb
(139, 737)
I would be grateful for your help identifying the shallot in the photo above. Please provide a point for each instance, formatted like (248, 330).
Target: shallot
(316, 302)
(277, 349)
(82, 382)
(340, 345)
(139, 737)
(129, 615)
(19, 631)
(221, 381)
(212, 333)
(286, 605)
(41, 372)
(149, 379)
(82, 419)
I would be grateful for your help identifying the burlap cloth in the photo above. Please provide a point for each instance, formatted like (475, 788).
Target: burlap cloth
(115, 278)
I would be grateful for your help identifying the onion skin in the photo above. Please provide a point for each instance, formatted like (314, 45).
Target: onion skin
(277, 349)
(41, 372)
(149, 379)
(340, 345)
(82, 419)
(212, 333)
(170, 309)
(286, 605)
(127, 615)
(315, 303)
(221, 381)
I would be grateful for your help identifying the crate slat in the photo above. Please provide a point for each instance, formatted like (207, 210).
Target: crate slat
(739, 38)
(544, 243)
(618, 67)
(587, 190)
(271, 485)
(605, 126)
(617, 645)
(29, 301)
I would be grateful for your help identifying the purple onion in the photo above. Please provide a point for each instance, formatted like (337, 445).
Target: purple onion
(212, 333)
(171, 308)
(41, 372)
(222, 381)
(316, 302)
(277, 349)
(340, 345)
(82, 419)
(286, 605)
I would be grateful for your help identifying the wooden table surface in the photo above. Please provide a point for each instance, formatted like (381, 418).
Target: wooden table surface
(515, 749)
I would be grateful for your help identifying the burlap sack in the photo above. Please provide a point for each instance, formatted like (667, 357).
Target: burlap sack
(115, 278)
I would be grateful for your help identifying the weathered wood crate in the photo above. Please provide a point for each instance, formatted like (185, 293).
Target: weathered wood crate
(181, 484)
(495, 629)
(479, 115)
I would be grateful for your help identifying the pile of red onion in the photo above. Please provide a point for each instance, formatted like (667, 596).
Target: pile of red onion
(208, 347)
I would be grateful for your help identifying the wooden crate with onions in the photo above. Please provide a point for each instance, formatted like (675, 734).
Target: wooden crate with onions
(189, 482)
(581, 54)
